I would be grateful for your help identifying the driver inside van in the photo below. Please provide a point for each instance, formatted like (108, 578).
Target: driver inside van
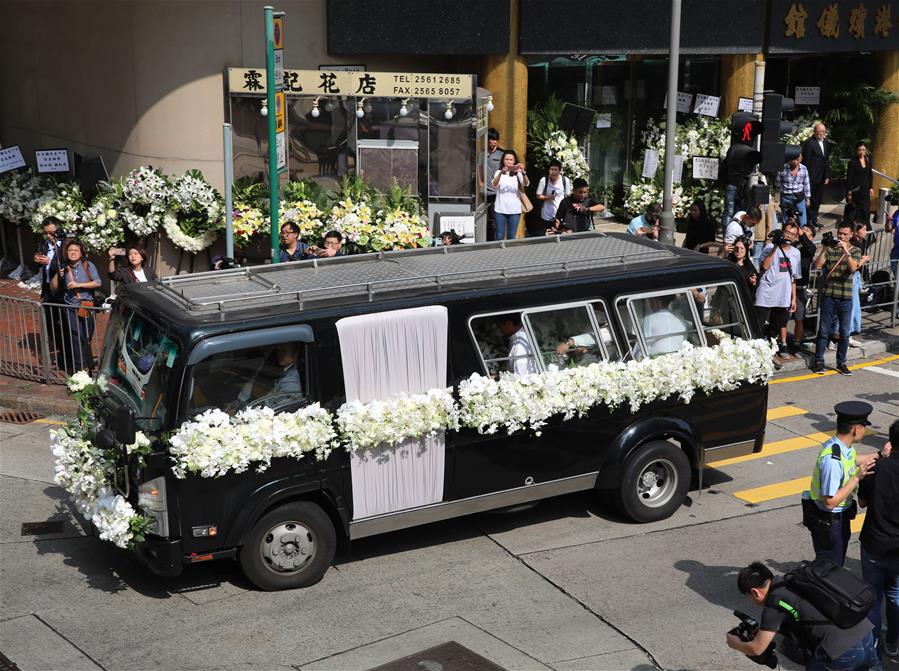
(286, 382)
(521, 354)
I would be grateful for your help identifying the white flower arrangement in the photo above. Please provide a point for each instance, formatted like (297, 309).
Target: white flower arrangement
(364, 426)
(564, 148)
(101, 227)
(87, 473)
(194, 216)
(144, 195)
(528, 401)
(353, 220)
(21, 193)
(65, 203)
(397, 228)
(804, 128)
(215, 443)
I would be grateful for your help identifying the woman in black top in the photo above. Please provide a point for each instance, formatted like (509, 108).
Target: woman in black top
(738, 252)
(135, 270)
(859, 186)
(700, 228)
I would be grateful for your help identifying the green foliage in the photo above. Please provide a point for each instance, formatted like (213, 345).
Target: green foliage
(248, 192)
(852, 116)
(398, 198)
(355, 188)
(306, 189)
(543, 121)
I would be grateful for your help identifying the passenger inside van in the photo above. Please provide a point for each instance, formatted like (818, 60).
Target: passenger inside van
(521, 354)
(663, 329)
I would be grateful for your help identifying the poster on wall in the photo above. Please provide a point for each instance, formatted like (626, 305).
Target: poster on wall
(744, 105)
(52, 160)
(11, 158)
(705, 167)
(677, 169)
(684, 102)
(650, 163)
(706, 105)
(807, 95)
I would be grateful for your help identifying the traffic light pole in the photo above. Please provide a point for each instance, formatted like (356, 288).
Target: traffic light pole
(666, 232)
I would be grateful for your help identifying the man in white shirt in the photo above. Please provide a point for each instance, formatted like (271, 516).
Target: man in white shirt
(741, 224)
(521, 354)
(663, 330)
(551, 190)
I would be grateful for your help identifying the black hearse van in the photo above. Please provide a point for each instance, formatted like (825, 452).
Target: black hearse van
(177, 347)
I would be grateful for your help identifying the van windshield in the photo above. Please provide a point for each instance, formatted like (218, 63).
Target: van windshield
(138, 358)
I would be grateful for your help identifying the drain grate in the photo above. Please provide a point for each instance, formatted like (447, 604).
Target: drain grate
(450, 655)
(19, 416)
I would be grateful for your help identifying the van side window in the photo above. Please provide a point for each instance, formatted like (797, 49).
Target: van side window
(665, 322)
(722, 312)
(272, 376)
(565, 337)
(504, 344)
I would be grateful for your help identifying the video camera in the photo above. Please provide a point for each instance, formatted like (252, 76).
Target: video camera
(828, 240)
(778, 238)
(746, 631)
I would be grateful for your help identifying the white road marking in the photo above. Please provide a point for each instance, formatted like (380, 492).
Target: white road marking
(882, 371)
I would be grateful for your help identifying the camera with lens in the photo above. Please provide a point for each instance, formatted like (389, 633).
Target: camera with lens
(748, 238)
(777, 237)
(828, 240)
(746, 631)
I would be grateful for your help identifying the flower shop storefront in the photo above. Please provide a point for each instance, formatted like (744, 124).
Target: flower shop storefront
(422, 133)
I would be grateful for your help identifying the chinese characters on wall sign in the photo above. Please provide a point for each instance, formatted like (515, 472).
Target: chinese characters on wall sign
(829, 20)
(381, 84)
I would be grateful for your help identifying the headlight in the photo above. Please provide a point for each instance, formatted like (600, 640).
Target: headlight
(151, 499)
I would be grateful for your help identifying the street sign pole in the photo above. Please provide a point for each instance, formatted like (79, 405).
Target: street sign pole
(666, 234)
(228, 151)
(272, 148)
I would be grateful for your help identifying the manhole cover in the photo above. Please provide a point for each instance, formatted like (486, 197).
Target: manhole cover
(38, 528)
(6, 664)
(446, 657)
(18, 416)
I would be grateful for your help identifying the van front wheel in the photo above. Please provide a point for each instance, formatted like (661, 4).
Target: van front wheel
(655, 482)
(291, 546)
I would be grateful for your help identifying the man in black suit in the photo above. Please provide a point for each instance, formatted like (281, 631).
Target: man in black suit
(815, 155)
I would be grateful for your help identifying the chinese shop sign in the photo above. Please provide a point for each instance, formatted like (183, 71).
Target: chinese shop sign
(815, 26)
(360, 84)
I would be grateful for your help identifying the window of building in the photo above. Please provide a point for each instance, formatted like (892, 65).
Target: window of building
(274, 376)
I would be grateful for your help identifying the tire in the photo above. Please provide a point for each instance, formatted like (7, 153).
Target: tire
(655, 481)
(289, 547)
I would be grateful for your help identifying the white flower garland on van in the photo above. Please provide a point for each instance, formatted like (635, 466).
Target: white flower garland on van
(364, 426)
(214, 443)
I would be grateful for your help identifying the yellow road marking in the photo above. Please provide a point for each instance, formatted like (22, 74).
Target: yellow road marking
(784, 411)
(47, 421)
(856, 524)
(776, 447)
(776, 491)
(810, 376)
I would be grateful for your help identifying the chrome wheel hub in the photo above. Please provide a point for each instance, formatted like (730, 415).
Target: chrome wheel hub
(288, 547)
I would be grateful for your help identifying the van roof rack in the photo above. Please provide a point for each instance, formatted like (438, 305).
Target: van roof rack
(367, 275)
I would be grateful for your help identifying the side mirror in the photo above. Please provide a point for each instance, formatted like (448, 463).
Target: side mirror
(124, 425)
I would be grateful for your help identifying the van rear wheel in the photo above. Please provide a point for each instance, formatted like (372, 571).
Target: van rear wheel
(655, 482)
(289, 547)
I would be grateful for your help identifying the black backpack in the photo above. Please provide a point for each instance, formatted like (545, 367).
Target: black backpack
(843, 598)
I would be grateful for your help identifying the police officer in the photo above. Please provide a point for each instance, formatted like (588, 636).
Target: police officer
(828, 505)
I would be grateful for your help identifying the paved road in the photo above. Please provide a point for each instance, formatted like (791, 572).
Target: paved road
(564, 585)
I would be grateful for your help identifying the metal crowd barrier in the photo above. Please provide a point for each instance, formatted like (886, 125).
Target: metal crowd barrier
(879, 285)
(47, 342)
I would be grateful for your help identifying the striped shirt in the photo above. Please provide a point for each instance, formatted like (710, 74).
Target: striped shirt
(787, 182)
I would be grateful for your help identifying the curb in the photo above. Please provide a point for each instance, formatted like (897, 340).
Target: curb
(871, 346)
(26, 400)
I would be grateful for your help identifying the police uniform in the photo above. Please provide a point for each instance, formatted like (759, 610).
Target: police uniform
(834, 467)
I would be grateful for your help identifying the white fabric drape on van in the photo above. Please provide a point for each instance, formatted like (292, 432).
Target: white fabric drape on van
(384, 355)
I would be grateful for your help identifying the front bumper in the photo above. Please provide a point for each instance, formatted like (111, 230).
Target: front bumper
(163, 556)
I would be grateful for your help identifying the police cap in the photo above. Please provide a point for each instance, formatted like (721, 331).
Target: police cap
(853, 412)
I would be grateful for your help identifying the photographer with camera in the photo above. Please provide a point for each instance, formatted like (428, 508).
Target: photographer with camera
(823, 644)
(775, 297)
(838, 260)
(741, 224)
